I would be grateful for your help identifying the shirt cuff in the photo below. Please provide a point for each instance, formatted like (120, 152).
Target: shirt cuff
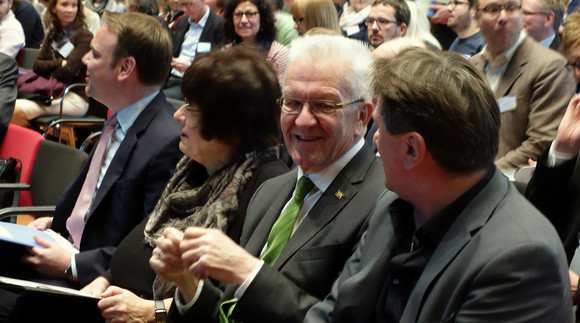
(183, 308)
(556, 158)
(73, 266)
(242, 289)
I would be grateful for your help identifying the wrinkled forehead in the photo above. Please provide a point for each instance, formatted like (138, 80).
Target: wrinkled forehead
(305, 78)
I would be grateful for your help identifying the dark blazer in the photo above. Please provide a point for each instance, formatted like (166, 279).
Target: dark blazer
(129, 191)
(314, 255)
(31, 24)
(556, 193)
(212, 32)
(543, 86)
(500, 261)
(8, 91)
(556, 44)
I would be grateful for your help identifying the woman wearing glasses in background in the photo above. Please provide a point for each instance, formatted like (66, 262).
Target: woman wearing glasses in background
(251, 22)
(310, 14)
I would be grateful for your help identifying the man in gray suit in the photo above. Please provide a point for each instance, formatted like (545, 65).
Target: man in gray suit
(325, 108)
(460, 244)
(530, 82)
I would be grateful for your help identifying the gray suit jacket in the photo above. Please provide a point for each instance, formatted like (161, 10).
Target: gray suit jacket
(500, 261)
(314, 255)
(543, 86)
(8, 91)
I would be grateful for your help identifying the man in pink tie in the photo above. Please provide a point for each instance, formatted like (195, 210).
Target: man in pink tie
(138, 151)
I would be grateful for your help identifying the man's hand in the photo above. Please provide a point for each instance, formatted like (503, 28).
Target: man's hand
(42, 223)
(441, 14)
(97, 287)
(568, 136)
(574, 286)
(180, 65)
(120, 305)
(50, 261)
(211, 253)
(166, 262)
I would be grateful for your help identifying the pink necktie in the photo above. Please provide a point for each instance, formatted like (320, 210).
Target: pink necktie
(76, 221)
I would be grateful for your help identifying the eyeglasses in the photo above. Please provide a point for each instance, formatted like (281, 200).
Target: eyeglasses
(454, 3)
(492, 10)
(380, 21)
(298, 20)
(249, 14)
(317, 107)
(190, 107)
(529, 13)
(574, 66)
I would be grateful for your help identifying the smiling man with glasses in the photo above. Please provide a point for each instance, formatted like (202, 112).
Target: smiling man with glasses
(530, 82)
(388, 19)
(542, 19)
(469, 40)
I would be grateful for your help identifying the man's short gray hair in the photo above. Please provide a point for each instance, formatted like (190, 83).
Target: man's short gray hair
(337, 53)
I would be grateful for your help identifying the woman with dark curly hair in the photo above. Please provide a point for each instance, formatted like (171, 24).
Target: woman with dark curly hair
(61, 52)
(252, 22)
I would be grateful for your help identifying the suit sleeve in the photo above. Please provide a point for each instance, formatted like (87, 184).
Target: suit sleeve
(550, 93)
(547, 191)
(515, 286)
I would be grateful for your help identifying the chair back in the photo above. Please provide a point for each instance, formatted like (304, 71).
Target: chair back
(26, 57)
(22, 143)
(56, 166)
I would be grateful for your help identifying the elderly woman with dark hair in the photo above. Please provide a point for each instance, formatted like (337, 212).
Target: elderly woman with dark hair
(230, 135)
(252, 22)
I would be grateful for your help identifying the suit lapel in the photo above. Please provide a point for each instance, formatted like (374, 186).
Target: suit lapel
(280, 194)
(475, 215)
(330, 204)
(117, 166)
(515, 68)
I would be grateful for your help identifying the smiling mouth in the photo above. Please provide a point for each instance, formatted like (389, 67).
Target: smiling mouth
(300, 138)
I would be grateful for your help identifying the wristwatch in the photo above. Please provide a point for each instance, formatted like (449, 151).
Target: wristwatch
(68, 272)
(160, 311)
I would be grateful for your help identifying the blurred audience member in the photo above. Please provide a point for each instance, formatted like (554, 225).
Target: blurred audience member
(12, 38)
(8, 91)
(67, 40)
(571, 45)
(353, 19)
(530, 82)
(542, 19)
(388, 19)
(173, 15)
(310, 14)
(469, 40)
(419, 27)
(251, 22)
(30, 21)
(198, 32)
(285, 31)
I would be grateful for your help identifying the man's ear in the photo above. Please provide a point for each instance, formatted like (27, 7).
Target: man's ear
(363, 115)
(550, 16)
(403, 29)
(127, 66)
(416, 150)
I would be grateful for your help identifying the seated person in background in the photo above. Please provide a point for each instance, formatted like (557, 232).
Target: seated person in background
(67, 40)
(12, 38)
(8, 91)
(530, 82)
(100, 6)
(310, 14)
(285, 31)
(30, 21)
(198, 32)
(303, 224)
(460, 244)
(469, 40)
(353, 20)
(542, 20)
(230, 130)
(251, 22)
